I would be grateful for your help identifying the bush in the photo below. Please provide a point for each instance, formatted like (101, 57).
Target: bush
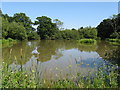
(87, 41)
(7, 42)
(10, 39)
(16, 79)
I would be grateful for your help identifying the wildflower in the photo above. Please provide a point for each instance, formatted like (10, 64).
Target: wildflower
(94, 63)
(79, 85)
(15, 57)
(102, 84)
(33, 71)
(70, 65)
(44, 81)
(56, 75)
(72, 77)
(10, 51)
(87, 64)
(82, 63)
(56, 68)
(26, 75)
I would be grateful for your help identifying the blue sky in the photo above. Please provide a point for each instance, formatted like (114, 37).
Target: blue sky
(73, 14)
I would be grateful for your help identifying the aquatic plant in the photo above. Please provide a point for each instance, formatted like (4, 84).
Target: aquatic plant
(87, 41)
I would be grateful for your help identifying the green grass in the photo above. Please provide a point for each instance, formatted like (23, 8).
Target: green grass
(7, 42)
(87, 41)
(113, 40)
(22, 79)
(16, 79)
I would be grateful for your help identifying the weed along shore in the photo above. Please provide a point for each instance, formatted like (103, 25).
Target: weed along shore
(7, 42)
(60, 45)
(22, 79)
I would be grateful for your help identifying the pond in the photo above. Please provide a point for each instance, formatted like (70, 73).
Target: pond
(58, 58)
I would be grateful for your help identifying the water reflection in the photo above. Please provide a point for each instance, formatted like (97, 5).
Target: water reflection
(54, 49)
(53, 57)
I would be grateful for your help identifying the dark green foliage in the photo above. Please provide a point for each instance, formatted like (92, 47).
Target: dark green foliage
(115, 35)
(69, 34)
(13, 30)
(18, 27)
(88, 32)
(105, 29)
(109, 26)
(27, 23)
(46, 28)
(33, 36)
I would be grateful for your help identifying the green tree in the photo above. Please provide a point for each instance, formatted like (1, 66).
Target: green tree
(58, 23)
(33, 36)
(25, 21)
(105, 29)
(46, 29)
(115, 35)
(5, 27)
(109, 26)
(13, 30)
(88, 32)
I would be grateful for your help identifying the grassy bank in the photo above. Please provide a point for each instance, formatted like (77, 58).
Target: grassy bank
(113, 40)
(87, 41)
(7, 42)
(23, 79)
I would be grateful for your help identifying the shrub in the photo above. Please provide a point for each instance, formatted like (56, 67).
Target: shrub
(10, 39)
(87, 41)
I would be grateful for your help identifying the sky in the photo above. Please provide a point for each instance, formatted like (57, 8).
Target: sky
(72, 14)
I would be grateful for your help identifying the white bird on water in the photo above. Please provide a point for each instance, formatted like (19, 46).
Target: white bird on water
(35, 51)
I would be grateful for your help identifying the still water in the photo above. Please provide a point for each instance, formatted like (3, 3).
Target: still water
(58, 58)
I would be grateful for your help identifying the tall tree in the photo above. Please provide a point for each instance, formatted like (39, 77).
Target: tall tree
(109, 26)
(105, 29)
(27, 23)
(46, 29)
(13, 30)
(58, 23)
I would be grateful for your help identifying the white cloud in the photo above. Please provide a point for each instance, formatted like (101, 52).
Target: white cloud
(35, 26)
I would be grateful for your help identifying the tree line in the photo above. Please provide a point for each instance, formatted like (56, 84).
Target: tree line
(20, 27)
